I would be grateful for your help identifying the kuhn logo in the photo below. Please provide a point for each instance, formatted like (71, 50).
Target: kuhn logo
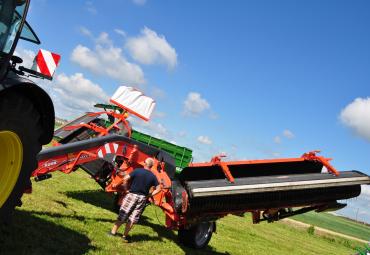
(50, 163)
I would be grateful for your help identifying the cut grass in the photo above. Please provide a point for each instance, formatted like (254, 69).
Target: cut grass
(69, 214)
(335, 223)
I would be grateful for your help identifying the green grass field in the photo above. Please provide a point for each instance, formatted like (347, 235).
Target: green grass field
(69, 214)
(335, 223)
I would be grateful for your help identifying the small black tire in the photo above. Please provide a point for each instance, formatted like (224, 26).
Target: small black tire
(198, 236)
(19, 116)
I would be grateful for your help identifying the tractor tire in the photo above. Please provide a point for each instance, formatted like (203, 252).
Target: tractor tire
(20, 130)
(197, 236)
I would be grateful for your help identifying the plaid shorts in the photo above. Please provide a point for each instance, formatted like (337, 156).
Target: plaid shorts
(132, 207)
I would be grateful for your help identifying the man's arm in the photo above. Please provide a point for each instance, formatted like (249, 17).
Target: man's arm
(156, 191)
(125, 179)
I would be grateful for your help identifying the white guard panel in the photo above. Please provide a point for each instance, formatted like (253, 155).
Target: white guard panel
(133, 101)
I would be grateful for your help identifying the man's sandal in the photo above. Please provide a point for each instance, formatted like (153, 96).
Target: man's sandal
(126, 239)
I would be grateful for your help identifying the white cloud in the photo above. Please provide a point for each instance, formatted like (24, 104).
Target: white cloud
(156, 93)
(356, 116)
(194, 104)
(157, 114)
(203, 153)
(288, 134)
(27, 56)
(90, 7)
(108, 61)
(358, 208)
(281, 137)
(182, 134)
(120, 32)
(151, 128)
(71, 95)
(277, 139)
(84, 31)
(74, 95)
(150, 48)
(139, 2)
(85, 58)
(77, 85)
(365, 190)
(204, 140)
(104, 39)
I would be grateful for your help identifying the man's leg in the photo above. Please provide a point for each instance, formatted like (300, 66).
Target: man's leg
(115, 227)
(124, 212)
(129, 226)
(134, 215)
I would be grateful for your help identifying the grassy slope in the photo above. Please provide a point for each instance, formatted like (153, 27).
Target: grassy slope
(336, 223)
(68, 214)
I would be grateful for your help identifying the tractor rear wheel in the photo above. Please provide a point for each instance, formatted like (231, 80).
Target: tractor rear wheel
(20, 131)
(197, 236)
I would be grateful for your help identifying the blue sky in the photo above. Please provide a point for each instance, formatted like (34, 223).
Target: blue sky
(253, 79)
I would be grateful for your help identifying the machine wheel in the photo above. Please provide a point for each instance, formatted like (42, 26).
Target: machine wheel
(197, 236)
(19, 144)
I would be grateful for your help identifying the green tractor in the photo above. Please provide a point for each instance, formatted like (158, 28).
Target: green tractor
(26, 110)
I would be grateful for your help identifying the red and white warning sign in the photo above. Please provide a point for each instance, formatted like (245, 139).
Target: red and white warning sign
(107, 149)
(46, 62)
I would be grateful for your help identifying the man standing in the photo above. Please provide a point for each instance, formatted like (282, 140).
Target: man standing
(133, 204)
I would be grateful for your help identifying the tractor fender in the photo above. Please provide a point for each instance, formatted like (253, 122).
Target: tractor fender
(38, 97)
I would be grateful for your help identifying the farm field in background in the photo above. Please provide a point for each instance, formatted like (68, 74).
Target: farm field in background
(69, 214)
(335, 223)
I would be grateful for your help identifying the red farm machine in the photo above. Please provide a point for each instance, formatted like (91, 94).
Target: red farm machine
(26, 110)
(193, 195)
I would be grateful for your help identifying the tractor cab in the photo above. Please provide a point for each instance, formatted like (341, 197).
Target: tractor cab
(13, 26)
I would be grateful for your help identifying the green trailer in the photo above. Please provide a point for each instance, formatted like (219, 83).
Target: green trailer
(182, 155)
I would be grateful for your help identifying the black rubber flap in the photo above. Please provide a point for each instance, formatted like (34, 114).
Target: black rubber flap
(345, 175)
(250, 170)
(265, 200)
